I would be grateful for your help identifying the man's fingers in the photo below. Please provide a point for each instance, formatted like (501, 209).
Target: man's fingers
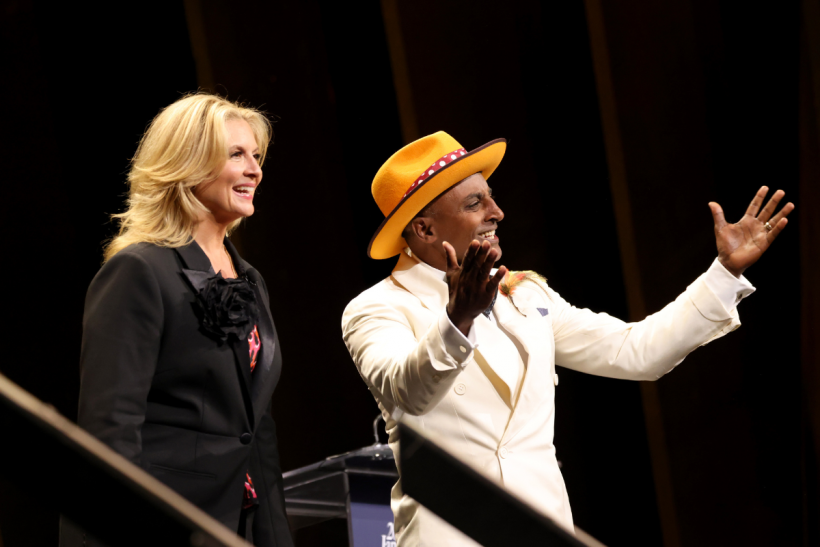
(777, 229)
(770, 207)
(492, 284)
(754, 206)
(487, 265)
(452, 259)
(469, 256)
(473, 271)
(783, 213)
(717, 215)
(481, 254)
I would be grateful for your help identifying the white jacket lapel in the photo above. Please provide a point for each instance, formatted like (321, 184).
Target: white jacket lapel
(498, 353)
(528, 327)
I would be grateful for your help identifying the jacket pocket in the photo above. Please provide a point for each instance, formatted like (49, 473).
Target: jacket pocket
(182, 472)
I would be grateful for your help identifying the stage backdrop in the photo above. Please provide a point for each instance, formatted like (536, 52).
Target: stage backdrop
(623, 120)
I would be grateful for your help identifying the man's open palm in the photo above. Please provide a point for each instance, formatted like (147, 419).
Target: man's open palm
(471, 288)
(741, 244)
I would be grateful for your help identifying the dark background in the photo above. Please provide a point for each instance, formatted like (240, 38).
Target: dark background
(623, 120)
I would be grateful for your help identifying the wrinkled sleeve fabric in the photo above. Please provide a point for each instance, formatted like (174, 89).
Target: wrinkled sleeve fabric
(596, 343)
(729, 289)
(122, 329)
(405, 370)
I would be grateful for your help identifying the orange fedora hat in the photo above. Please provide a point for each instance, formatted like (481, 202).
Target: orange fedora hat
(416, 175)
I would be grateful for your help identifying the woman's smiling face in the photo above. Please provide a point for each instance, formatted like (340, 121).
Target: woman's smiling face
(229, 196)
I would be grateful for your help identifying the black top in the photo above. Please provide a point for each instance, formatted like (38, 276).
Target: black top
(174, 398)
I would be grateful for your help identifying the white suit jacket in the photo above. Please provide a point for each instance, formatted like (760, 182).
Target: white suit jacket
(394, 334)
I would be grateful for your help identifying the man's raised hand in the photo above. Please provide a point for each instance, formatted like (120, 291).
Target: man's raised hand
(471, 288)
(740, 245)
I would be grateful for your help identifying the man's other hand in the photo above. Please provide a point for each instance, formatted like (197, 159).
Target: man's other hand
(471, 288)
(740, 245)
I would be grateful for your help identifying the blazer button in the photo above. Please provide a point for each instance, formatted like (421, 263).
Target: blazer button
(461, 389)
(502, 452)
(245, 438)
(555, 378)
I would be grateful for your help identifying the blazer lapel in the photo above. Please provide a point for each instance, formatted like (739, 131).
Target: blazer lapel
(494, 360)
(266, 375)
(526, 325)
(269, 364)
(195, 260)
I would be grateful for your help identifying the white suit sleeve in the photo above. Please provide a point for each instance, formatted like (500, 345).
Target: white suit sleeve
(403, 369)
(459, 346)
(728, 288)
(599, 344)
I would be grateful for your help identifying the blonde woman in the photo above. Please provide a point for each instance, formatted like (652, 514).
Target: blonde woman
(180, 356)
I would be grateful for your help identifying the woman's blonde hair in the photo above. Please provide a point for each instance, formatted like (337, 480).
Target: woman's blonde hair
(185, 145)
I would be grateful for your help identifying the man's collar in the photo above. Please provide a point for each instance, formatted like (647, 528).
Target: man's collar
(424, 281)
(429, 284)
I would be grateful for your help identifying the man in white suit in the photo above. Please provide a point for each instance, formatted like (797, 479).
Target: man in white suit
(468, 354)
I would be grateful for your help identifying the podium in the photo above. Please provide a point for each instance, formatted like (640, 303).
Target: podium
(354, 486)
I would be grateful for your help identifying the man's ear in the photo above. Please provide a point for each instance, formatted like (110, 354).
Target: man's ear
(423, 229)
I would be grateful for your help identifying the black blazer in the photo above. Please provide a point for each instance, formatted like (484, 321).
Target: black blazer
(174, 400)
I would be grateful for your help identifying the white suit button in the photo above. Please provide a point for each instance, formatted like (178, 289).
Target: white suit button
(502, 452)
(463, 349)
(461, 389)
(436, 378)
(555, 378)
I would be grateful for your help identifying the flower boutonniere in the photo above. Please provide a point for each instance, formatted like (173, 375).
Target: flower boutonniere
(226, 306)
(513, 279)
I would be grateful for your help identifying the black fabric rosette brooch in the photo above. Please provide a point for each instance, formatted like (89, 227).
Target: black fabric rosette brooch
(225, 307)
